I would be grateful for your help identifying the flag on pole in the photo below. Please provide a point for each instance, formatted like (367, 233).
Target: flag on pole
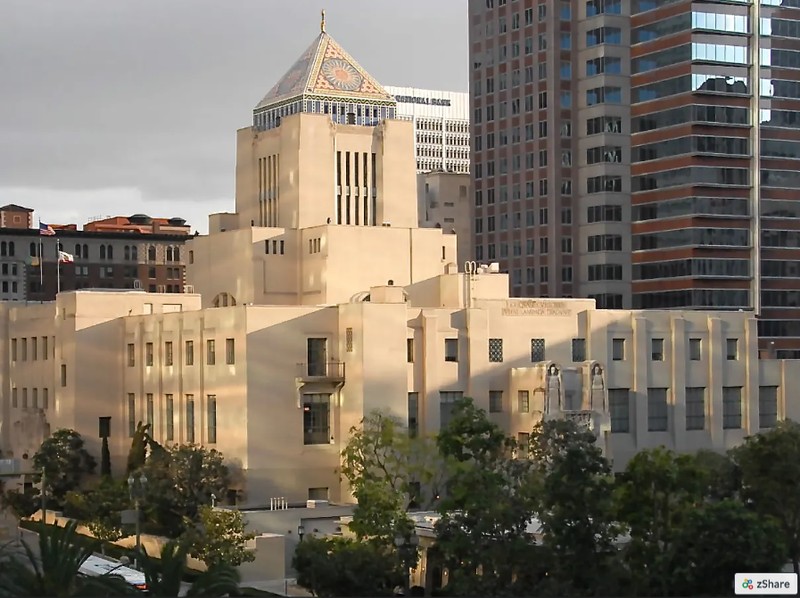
(65, 258)
(46, 229)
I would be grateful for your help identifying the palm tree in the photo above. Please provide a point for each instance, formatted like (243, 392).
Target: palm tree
(164, 575)
(55, 570)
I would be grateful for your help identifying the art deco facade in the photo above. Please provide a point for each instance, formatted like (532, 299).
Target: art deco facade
(327, 310)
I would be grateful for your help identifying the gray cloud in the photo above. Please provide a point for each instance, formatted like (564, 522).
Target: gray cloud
(148, 94)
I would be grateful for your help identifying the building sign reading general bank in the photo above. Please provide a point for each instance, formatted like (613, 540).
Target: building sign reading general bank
(419, 100)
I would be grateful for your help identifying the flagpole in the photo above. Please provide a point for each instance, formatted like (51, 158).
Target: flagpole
(41, 264)
(58, 268)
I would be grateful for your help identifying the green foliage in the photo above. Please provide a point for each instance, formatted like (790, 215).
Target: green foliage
(331, 567)
(179, 481)
(770, 475)
(137, 455)
(105, 459)
(65, 462)
(221, 538)
(21, 503)
(383, 464)
(100, 507)
(51, 569)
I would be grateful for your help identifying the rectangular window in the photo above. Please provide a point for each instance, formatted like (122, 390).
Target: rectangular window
(447, 401)
(524, 401)
(230, 351)
(695, 349)
(45, 351)
(168, 356)
(211, 352)
(578, 349)
(657, 349)
(45, 398)
(131, 414)
(732, 348)
(170, 415)
(413, 414)
(24, 398)
(767, 406)
(695, 408)
(190, 418)
(619, 409)
(34, 348)
(316, 418)
(148, 354)
(13, 349)
(14, 398)
(211, 418)
(410, 350)
(495, 401)
(657, 414)
(451, 349)
(618, 349)
(150, 408)
(348, 340)
(63, 374)
(131, 355)
(189, 348)
(537, 345)
(496, 350)
(731, 407)
(24, 349)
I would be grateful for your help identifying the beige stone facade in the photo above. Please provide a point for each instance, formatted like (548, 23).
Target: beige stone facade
(445, 202)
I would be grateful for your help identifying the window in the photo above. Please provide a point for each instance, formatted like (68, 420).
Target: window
(24, 349)
(63, 374)
(45, 351)
(578, 349)
(447, 401)
(131, 414)
(24, 398)
(150, 408)
(657, 349)
(131, 355)
(657, 415)
(410, 350)
(619, 409)
(732, 349)
(45, 398)
(524, 401)
(348, 340)
(618, 349)
(34, 348)
(694, 349)
(170, 415)
(168, 356)
(230, 351)
(13, 349)
(211, 418)
(14, 399)
(695, 408)
(767, 406)
(413, 414)
(496, 350)
(731, 407)
(148, 354)
(316, 418)
(189, 348)
(451, 349)
(190, 418)
(495, 401)
(211, 352)
(537, 347)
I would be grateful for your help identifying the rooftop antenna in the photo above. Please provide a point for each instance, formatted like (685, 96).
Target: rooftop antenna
(322, 23)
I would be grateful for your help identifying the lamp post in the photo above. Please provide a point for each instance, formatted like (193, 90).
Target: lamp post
(301, 531)
(407, 547)
(136, 489)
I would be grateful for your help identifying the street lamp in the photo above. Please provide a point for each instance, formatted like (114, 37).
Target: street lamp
(136, 489)
(301, 531)
(407, 547)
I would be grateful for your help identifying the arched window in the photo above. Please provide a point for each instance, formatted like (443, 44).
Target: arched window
(78, 250)
(102, 252)
(85, 251)
(3, 248)
(111, 252)
(127, 253)
(151, 253)
(134, 253)
(11, 248)
(169, 254)
(176, 254)
(33, 249)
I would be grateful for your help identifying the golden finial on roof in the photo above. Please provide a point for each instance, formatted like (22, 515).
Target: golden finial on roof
(322, 24)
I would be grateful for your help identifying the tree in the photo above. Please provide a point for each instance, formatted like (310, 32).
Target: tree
(718, 540)
(483, 535)
(387, 470)
(770, 469)
(22, 503)
(54, 571)
(65, 463)
(221, 538)
(100, 507)
(342, 567)
(180, 481)
(575, 506)
(105, 458)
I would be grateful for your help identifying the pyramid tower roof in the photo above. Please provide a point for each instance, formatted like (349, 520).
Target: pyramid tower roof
(326, 70)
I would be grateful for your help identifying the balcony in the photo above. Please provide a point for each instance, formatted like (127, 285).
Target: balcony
(321, 371)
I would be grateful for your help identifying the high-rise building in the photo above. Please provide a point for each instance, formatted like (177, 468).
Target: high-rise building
(715, 143)
(665, 138)
(441, 127)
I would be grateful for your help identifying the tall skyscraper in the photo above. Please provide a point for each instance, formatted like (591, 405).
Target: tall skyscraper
(659, 153)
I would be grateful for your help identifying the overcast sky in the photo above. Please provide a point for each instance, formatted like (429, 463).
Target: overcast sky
(111, 107)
